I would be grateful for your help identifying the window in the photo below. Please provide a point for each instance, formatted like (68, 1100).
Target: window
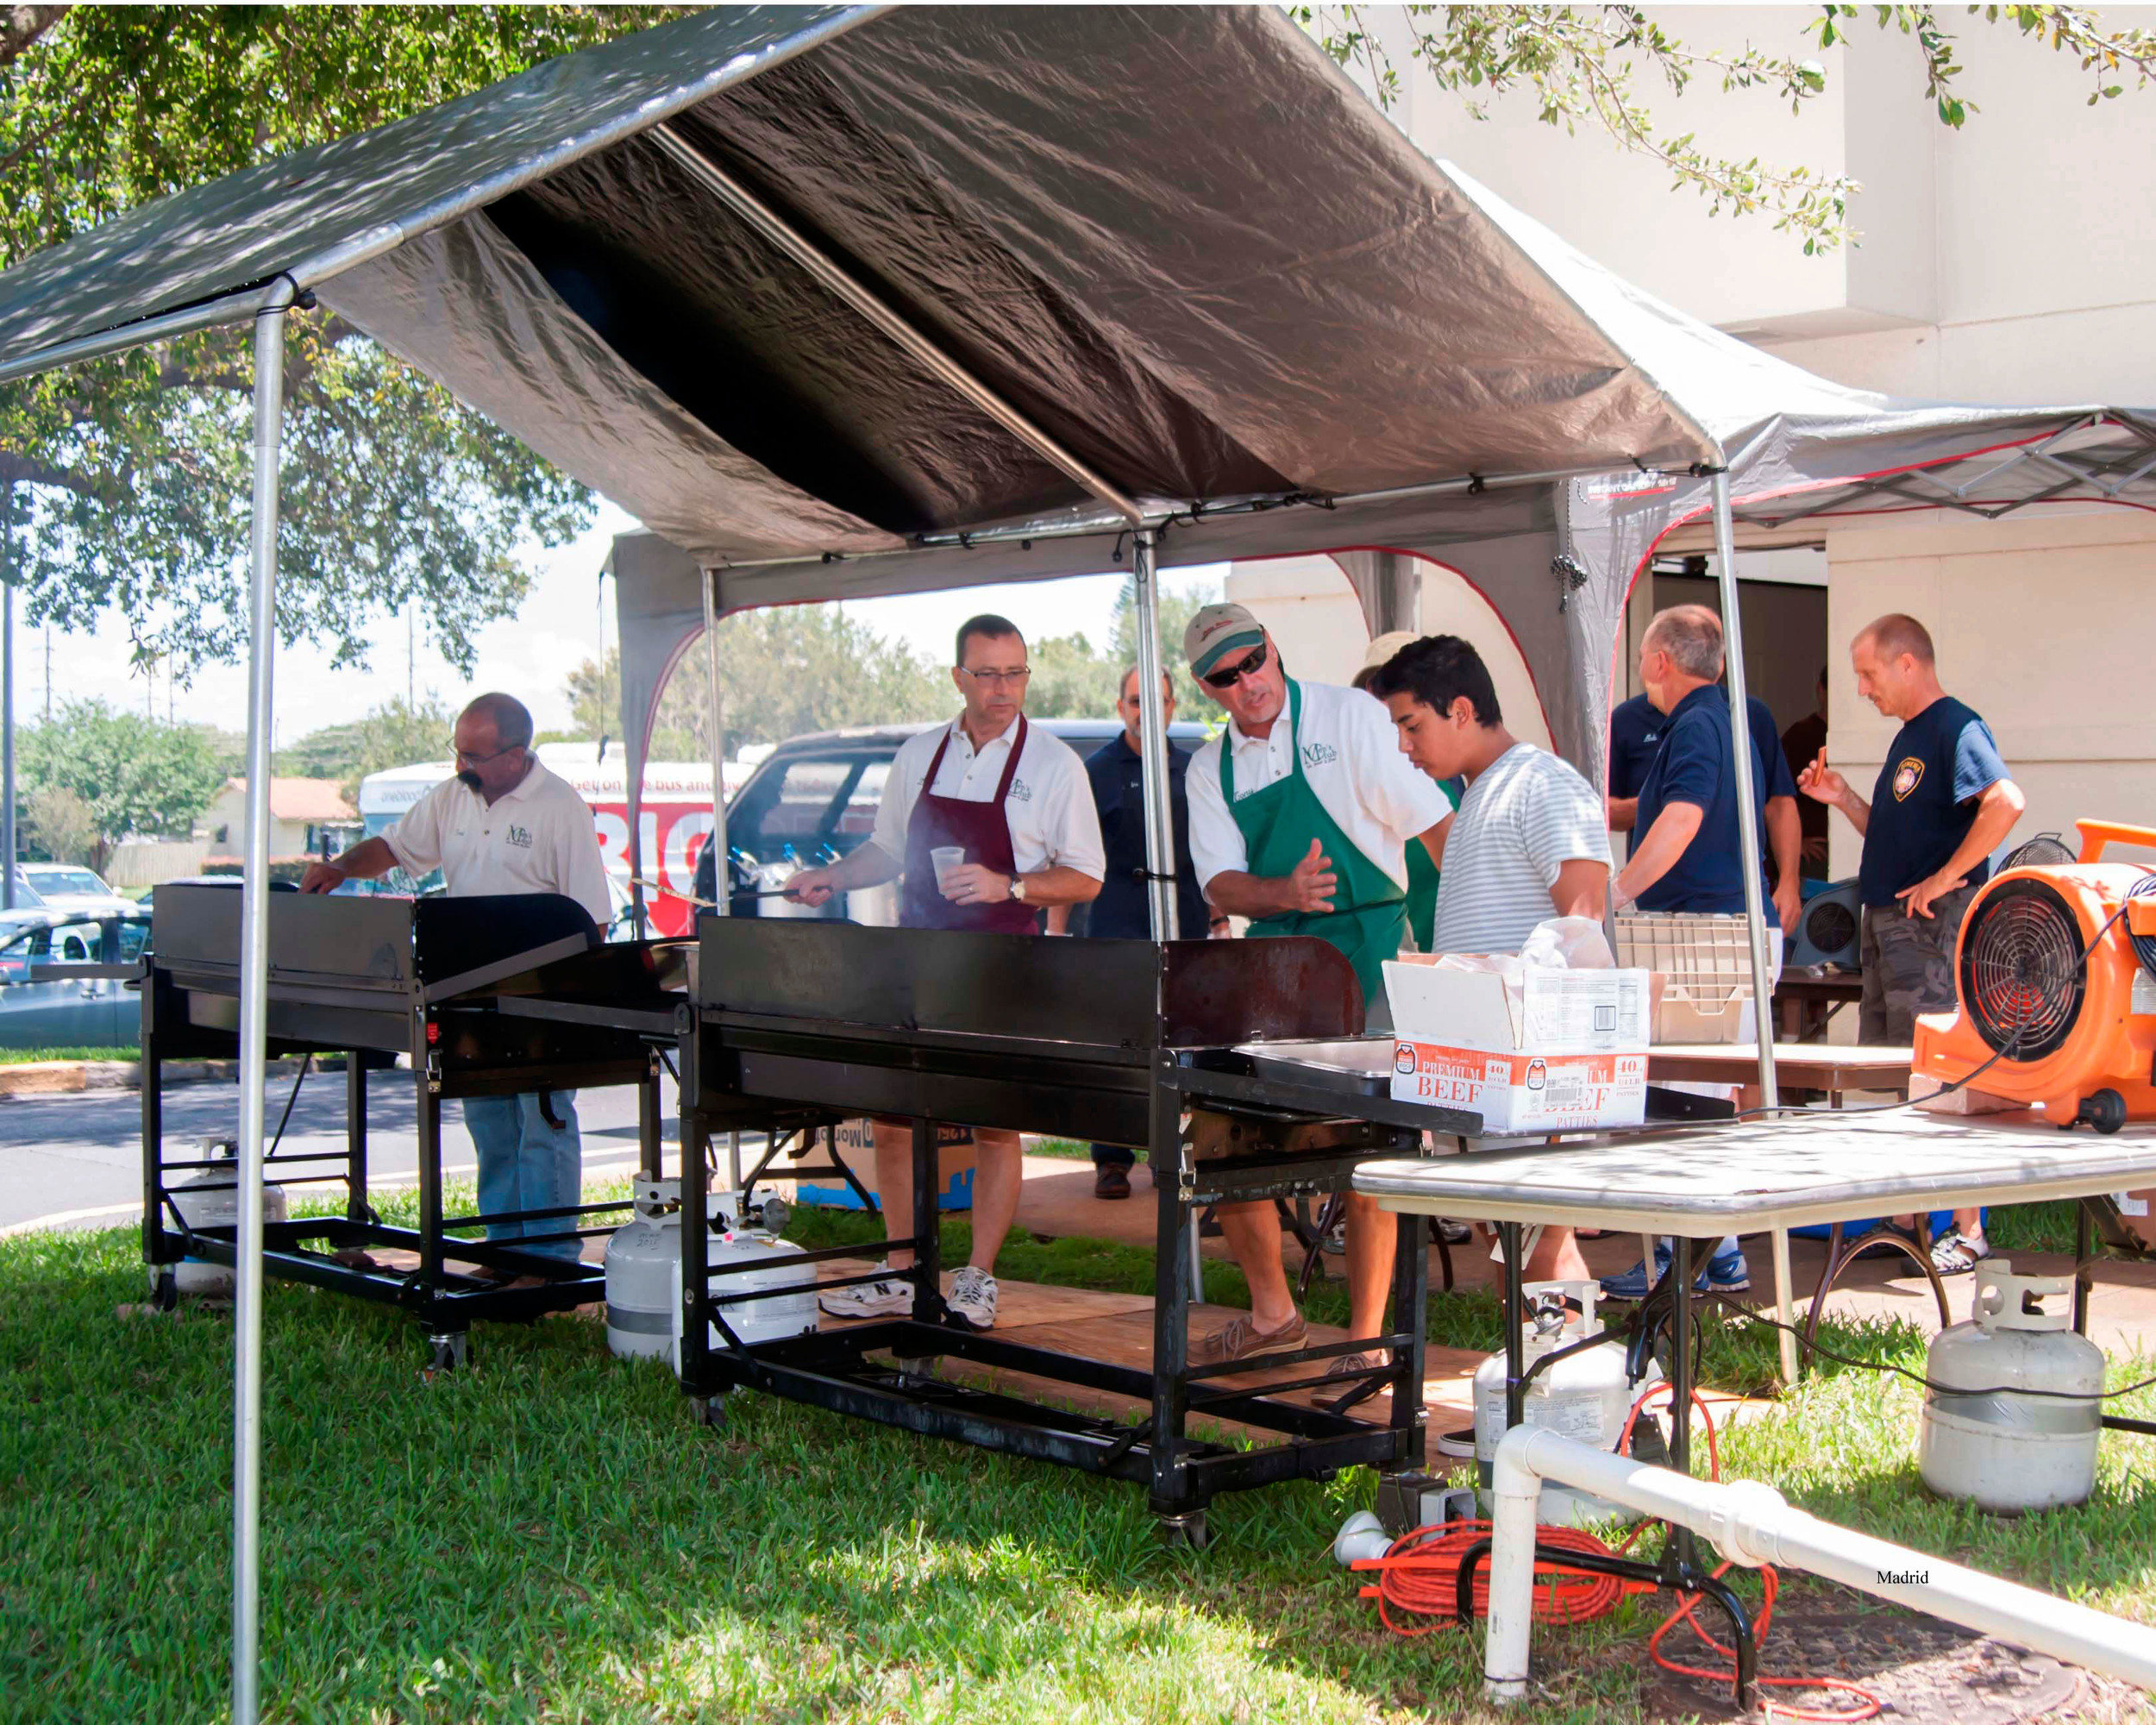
(130, 938)
(859, 819)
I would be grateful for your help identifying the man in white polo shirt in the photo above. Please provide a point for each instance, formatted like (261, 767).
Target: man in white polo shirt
(1016, 802)
(1301, 816)
(504, 824)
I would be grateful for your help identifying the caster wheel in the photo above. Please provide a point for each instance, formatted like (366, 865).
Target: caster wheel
(1185, 1532)
(164, 1292)
(709, 1411)
(449, 1352)
(2105, 1111)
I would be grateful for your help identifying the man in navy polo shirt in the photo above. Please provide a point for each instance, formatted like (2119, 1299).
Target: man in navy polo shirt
(1636, 729)
(1943, 803)
(1686, 853)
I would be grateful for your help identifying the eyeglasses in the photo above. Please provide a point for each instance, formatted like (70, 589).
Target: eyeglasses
(479, 759)
(998, 679)
(1248, 667)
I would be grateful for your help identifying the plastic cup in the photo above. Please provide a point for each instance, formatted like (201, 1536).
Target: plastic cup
(946, 857)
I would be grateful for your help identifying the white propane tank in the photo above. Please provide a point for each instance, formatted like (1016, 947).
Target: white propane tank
(753, 1320)
(210, 1198)
(2009, 1452)
(642, 1261)
(1585, 1397)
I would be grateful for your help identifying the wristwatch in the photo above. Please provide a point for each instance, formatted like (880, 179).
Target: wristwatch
(1018, 887)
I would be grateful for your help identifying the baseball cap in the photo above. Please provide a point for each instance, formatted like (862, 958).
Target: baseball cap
(1384, 647)
(1217, 631)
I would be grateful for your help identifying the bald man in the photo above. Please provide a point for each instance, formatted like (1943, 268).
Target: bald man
(504, 824)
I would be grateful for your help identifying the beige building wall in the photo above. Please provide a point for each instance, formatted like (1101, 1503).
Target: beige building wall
(1309, 607)
(2039, 627)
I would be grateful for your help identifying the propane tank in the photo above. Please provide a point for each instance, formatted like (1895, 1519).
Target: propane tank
(753, 1320)
(209, 1198)
(640, 1259)
(1585, 1397)
(2004, 1452)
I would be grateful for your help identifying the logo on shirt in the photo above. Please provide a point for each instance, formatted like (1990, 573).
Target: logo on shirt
(1317, 754)
(518, 835)
(1021, 792)
(1906, 777)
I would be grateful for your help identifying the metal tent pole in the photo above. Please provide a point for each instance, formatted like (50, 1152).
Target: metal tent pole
(1748, 824)
(722, 876)
(247, 1316)
(1160, 832)
(1748, 810)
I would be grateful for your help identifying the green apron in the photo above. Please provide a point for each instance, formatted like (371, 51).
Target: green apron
(1422, 883)
(1369, 912)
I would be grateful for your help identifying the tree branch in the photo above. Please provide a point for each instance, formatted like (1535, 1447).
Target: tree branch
(20, 26)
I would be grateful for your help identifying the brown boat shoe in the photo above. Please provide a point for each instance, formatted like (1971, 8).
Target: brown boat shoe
(1240, 1339)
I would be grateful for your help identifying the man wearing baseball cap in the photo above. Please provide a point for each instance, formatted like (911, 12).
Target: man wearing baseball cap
(1301, 813)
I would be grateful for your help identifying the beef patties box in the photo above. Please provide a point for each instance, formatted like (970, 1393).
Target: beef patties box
(1530, 1050)
(954, 1161)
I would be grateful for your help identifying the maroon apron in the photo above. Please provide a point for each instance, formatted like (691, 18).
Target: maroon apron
(984, 831)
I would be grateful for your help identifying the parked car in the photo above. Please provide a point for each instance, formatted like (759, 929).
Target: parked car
(70, 886)
(814, 799)
(39, 1009)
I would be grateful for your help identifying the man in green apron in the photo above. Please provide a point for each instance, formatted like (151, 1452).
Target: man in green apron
(1302, 814)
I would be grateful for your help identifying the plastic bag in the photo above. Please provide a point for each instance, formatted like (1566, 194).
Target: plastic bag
(1572, 943)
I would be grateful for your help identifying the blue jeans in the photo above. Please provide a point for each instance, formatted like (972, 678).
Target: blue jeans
(526, 1164)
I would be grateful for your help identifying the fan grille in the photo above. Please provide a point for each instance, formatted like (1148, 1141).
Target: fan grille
(2021, 977)
(1831, 927)
(2047, 850)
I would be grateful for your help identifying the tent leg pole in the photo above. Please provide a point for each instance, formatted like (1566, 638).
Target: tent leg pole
(246, 1320)
(1160, 839)
(715, 717)
(1748, 803)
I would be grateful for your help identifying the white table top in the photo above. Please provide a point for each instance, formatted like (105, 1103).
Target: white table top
(1744, 1177)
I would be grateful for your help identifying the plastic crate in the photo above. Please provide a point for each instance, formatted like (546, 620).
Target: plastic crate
(1702, 967)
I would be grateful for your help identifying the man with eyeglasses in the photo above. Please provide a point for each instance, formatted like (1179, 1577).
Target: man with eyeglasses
(504, 824)
(1301, 816)
(1014, 804)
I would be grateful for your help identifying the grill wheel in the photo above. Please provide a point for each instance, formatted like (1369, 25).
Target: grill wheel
(2021, 969)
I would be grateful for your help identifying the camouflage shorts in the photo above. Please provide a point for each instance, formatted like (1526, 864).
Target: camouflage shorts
(1908, 966)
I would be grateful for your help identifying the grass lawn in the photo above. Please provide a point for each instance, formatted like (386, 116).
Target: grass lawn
(547, 1538)
(23, 1057)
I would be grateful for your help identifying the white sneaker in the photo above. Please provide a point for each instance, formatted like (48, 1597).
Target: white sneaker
(971, 1300)
(890, 1298)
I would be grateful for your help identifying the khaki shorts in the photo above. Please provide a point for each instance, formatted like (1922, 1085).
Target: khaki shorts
(1908, 966)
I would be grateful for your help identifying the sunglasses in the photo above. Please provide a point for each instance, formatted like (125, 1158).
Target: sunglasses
(1248, 667)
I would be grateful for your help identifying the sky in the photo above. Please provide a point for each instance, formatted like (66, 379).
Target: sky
(530, 655)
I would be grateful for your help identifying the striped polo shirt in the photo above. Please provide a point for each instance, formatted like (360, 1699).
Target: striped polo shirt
(1522, 819)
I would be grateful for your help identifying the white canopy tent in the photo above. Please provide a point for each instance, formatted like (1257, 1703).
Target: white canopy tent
(854, 301)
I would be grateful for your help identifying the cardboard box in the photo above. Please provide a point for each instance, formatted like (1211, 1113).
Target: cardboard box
(856, 1148)
(1563, 1050)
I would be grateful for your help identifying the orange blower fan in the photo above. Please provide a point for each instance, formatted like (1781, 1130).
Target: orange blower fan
(2056, 967)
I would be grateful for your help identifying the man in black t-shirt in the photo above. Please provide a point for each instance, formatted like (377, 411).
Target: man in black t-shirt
(1124, 909)
(1943, 803)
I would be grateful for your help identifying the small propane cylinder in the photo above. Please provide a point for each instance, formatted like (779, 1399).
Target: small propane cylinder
(2009, 1452)
(210, 1198)
(643, 1256)
(1585, 1397)
(777, 1265)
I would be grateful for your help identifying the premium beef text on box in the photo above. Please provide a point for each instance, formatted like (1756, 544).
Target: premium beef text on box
(1553, 1050)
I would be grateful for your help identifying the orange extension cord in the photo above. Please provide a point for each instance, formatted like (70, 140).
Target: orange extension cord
(1418, 1577)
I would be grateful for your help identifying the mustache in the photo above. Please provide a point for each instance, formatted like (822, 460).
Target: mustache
(469, 778)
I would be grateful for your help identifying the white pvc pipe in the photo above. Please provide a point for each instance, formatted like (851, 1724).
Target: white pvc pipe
(246, 1306)
(1752, 1524)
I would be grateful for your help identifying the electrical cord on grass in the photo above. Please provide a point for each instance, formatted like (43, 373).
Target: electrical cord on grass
(1759, 1317)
